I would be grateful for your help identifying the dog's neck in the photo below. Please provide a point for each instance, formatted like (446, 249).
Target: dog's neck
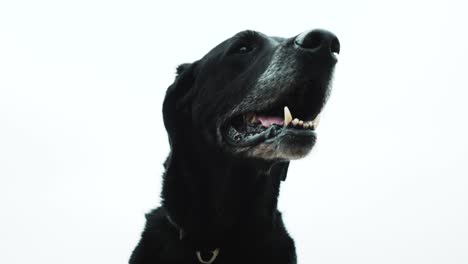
(211, 197)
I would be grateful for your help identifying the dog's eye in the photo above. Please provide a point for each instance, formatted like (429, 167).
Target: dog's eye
(244, 49)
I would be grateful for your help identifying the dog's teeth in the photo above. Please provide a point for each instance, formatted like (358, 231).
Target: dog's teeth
(254, 118)
(295, 121)
(251, 117)
(316, 122)
(287, 116)
(306, 125)
(301, 122)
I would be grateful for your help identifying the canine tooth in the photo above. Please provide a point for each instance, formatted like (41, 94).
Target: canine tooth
(316, 122)
(254, 118)
(295, 121)
(250, 117)
(287, 116)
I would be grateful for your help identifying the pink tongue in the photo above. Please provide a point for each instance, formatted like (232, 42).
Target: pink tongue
(270, 120)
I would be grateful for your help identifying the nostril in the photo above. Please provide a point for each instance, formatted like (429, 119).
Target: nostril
(335, 46)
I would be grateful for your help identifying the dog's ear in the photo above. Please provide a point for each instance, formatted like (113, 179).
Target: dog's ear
(182, 67)
(175, 106)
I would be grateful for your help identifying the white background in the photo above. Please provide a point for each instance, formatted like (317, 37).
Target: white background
(82, 140)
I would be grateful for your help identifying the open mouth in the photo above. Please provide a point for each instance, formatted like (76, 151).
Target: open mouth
(256, 127)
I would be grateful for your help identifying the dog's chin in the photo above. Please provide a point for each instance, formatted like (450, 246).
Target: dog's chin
(284, 147)
(276, 143)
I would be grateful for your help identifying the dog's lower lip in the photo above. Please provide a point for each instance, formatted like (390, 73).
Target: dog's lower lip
(267, 136)
(268, 133)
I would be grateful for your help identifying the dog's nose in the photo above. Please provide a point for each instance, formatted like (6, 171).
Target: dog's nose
(319, 41)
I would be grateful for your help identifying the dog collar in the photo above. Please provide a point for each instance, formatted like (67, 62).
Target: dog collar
(181, 232)
(214, 253)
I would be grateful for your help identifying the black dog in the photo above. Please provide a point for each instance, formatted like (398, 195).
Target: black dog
(234, 119)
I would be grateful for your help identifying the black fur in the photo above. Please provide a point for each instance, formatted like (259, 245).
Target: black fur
(216, 195)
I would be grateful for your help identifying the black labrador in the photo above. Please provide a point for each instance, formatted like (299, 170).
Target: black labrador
(235, 118)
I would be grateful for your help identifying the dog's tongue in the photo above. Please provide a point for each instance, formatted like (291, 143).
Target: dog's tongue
(267, 121)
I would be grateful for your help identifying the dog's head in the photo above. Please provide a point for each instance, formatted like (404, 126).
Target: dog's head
(254, 96)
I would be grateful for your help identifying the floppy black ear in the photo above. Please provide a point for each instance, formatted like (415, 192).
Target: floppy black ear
(175, 106)
(182, 67)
